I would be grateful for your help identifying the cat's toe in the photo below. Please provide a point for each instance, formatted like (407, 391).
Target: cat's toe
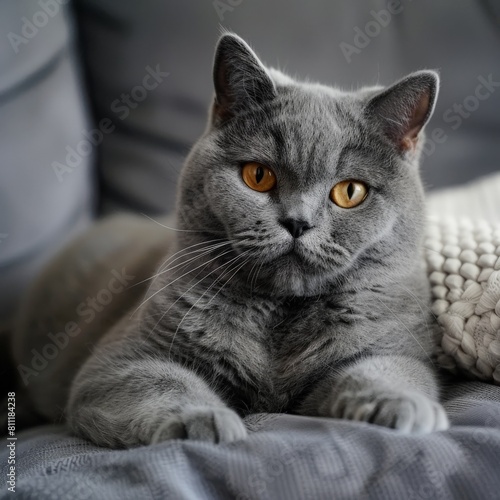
(408, 412)
(215, 425)
(418, 415)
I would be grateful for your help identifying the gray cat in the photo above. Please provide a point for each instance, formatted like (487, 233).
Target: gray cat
(294, 284)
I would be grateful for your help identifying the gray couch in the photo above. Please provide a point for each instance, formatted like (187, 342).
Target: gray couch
(58, 86)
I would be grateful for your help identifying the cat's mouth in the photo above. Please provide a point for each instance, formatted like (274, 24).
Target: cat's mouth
(305, 259)
(296, 255)
(292, 267)
(292, 255)
(292, 251)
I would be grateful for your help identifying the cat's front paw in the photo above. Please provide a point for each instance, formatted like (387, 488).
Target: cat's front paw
(409, 412)
(212, 424)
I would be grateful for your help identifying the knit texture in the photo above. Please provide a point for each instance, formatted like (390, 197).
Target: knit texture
(463, 263)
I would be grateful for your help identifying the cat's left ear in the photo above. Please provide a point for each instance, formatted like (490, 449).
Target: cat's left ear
(240, 79)
(403, 109)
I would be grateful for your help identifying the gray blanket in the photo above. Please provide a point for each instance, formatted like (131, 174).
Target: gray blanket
(285, 457)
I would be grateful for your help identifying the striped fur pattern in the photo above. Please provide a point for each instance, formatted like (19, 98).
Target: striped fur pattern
(244, 317)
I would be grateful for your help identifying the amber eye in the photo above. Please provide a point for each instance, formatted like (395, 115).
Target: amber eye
(348, 194)
(258, 177)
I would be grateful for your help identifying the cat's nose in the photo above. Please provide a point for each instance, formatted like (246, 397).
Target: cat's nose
(295, 227)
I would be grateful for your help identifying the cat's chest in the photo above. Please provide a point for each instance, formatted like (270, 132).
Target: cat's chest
(245, 328)
(274, 348)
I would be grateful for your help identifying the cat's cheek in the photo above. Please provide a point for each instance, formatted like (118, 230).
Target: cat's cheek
(229, 197)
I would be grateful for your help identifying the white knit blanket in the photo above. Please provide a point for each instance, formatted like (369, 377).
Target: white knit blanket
(463, 263)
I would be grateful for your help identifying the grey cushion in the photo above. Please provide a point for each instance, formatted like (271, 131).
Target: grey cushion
(41, 113)
(286, 456)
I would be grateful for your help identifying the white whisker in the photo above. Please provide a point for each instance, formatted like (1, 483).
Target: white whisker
(429, 335)
(208, 243)
(406, 328)
(201, 297)
(254, 281)
(179, 230)
(205, 251)
(232, 276)
(177, 279)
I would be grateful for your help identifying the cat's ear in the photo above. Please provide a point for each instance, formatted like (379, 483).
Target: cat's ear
(403, 109)
(240, 79)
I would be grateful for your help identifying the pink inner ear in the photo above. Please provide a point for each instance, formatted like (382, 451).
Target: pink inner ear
(417, 119)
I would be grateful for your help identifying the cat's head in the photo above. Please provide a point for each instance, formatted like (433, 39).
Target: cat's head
(310, 184)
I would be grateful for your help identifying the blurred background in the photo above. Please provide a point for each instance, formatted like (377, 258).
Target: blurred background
(100, 100)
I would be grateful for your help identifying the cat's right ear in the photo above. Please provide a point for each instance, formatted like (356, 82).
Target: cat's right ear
(240, 79)
(402, 110)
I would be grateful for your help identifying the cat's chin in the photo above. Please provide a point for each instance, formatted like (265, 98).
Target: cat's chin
(291, 276)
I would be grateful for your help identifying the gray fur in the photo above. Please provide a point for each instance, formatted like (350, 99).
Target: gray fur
(334, 323)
